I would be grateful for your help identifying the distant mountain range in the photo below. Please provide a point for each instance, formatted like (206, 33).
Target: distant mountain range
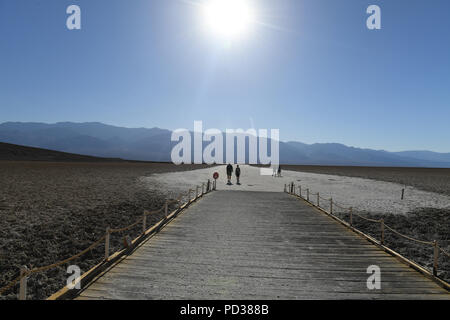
(101, 140)
(12, 152)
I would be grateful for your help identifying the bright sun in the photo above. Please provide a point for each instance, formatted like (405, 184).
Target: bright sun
(229, 18)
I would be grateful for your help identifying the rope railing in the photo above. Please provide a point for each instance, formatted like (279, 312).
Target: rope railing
(339, 206)
(367, 219)
(445, 252)
(147, 213)
(25, 272)
(57, 264)
(407, 237)
(131, 226)
(383, 226)
(11, 284)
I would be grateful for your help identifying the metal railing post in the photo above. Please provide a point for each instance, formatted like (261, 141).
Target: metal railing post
(108, 233)
(382, 231)
(318, 199)
(23, 283)
(300, 191)
(435, 257)
(285, 187)
(307, 194)
(331, 206)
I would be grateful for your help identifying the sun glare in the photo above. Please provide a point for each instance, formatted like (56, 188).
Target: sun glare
(228, 18)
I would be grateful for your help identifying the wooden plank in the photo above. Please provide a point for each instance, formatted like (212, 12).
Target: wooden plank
(344, 282)
(392, 275)
(254, 285)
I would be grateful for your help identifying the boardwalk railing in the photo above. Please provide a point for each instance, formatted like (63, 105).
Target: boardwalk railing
(315, 200)
(25, 272)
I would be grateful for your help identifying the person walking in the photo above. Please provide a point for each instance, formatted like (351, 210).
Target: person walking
(238, 174)
(229, 173)
(279, 171)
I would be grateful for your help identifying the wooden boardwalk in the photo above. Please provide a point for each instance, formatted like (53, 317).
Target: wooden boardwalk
(258, 245)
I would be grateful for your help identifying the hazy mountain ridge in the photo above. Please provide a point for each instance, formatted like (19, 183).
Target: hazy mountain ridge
(101, 140)
(12, 152)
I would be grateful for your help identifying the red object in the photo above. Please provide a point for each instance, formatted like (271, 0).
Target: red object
(216, 175)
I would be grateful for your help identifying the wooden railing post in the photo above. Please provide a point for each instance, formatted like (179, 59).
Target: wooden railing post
(382, 231)
(144, 223)
(23, 283)
(435, 258)
(351, 216)
(108, 233)
(166, 208)
(331, 206)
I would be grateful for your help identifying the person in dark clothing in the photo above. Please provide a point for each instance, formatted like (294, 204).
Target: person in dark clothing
(279, 171)
(238, 174)
(229, 172)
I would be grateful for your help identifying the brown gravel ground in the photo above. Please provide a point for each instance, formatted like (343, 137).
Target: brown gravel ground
(51, 211)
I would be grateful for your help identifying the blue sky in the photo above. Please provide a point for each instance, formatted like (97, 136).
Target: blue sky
(309, 67)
